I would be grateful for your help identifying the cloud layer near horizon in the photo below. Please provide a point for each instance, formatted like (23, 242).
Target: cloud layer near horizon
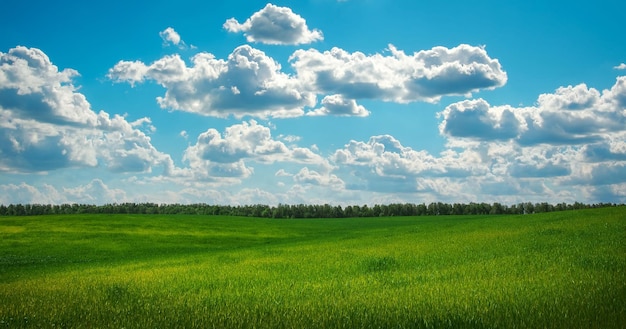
(569, 146)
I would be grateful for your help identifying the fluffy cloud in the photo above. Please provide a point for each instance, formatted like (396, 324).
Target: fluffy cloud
(337, 105)
(622, 66)
(170, 36)
(31, 86)
(45, 124)
(605, 151)
(493, 170)
(250, 83)
(573, 136)
(275, 25)
(247, 83)
(571, 115)
(216, 155)
(384, 164)
(312, 177)
(476, 119)
(241, 141)
(426, 75)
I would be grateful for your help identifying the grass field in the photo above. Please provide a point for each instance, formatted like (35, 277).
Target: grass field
(551, 270)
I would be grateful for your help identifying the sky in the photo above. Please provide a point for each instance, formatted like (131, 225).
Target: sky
(312, 102)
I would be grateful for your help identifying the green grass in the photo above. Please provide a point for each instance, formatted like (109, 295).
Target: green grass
(551, 270)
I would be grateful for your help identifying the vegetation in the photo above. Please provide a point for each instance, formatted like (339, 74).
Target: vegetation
(296, 211)
(550, 270)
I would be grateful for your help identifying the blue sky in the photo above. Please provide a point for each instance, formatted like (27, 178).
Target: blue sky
(312, 101)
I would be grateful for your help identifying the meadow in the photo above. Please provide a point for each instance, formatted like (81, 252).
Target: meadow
(551, 270)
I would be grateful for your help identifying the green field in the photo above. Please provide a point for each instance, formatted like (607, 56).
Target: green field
(551, 270)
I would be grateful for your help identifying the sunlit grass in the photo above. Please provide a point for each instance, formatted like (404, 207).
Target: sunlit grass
(563, 270)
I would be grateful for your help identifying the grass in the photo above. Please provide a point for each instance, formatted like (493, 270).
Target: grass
(551, 270)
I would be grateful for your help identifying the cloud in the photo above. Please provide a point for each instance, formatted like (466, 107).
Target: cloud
(240, 141)
(28, 194)
(31, 86)
(94, 192)
(170, 36)
(275, 25)
(573, 136)
(572, 115)
(622, 66)
(337, 105)
(604, 173)
(476, 119)
(312, 177)
(45, 124)
(247, 83)
(383, 164)
(217, 155)
(250, 83)
(605, 151)
(424, 76)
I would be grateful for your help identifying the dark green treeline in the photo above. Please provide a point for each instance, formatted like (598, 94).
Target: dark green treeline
(296, 211)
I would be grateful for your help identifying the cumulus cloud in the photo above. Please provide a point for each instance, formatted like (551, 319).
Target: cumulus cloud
(383, 164)
(424, 76)
(217, 155)
(500, 170)
(247, 83)
(573, 136)
(605, 151)
(476, 119)
(170, 36)
(45, 124)
(571, 115)
(338, 105)
(275, 25)
(312, 177)
(622, 66)
(250, 83)
(604, 173)
(240, 141)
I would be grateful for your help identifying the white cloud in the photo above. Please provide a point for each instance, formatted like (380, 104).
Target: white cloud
(28, 194)
(475, 118)
(608, 150)
(216, 155)
(250, 83)
(127, 71)
(241, 141)
(94, 192)
(384, 164)
(337, 105)
(622, 66)
(312, 177)
(247, 83)
(574, 136)
(46, 125)
(170, 36)
(572, 115)
(275, 25)
(424, 76)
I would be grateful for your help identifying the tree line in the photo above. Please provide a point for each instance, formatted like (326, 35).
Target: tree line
(296, 211)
